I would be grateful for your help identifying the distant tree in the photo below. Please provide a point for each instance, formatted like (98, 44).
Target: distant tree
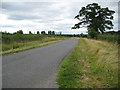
(81, 34)
(38, 32)
(7, 33)
(94, 18)
(30, 32)
(14, 33)
(60, 33)
(20, 32)
(49, 32)
(74, 35)
(53, 32)
(43, 32)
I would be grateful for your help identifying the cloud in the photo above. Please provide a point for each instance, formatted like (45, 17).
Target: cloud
(33, 16)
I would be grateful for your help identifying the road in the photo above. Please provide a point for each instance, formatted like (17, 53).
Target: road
(36, 68)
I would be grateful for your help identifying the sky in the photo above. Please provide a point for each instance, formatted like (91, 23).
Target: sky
(40, 15)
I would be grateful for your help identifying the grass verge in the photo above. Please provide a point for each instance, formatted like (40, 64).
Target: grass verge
(92, 64)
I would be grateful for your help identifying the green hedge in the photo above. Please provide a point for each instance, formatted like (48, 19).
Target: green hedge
(108, 37)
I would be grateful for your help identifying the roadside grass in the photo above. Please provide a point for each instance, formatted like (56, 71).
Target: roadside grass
(18, 47)
(92, 64)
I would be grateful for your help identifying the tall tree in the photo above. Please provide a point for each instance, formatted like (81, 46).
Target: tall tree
(95, 18)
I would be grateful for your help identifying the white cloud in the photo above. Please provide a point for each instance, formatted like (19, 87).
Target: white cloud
(34, 16)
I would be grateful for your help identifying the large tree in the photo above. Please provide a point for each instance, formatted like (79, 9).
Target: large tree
(95, 18)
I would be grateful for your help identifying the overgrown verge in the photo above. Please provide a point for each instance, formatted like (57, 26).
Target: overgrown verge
(21, 45)
(92, 64)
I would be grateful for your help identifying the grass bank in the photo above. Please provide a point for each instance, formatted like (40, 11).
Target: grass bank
(92, 64)
(15, 47)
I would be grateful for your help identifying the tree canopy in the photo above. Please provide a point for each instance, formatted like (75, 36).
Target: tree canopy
(30, 32)
(38, 32)
(51, 32)
(43, 32)
(95, 17)
(20, 32)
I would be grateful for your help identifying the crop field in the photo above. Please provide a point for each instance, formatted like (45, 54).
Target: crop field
(15, 43)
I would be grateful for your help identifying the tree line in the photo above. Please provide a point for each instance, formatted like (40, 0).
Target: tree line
(38, 32)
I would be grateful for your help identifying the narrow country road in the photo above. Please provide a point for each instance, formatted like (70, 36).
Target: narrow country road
(36, 68)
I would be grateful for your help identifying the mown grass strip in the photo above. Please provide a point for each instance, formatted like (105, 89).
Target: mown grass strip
(92, 64)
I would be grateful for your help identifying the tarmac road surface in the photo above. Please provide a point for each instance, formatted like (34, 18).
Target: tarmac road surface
(36, 68)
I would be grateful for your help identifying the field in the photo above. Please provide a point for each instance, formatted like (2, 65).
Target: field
(16, 43)
(92, 64)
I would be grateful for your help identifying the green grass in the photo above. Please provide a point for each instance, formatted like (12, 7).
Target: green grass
(108, 37)
(92, 64)
(15, 47)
